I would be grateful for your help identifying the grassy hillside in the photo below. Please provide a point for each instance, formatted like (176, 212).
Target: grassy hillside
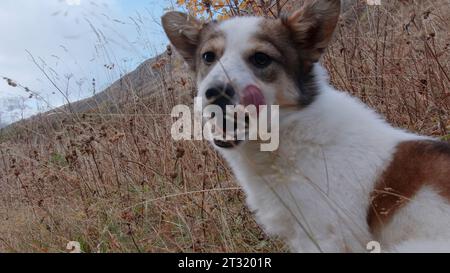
(106, 173)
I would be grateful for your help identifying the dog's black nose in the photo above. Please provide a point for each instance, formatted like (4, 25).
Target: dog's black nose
(222, 90)
(211, 93)
(221, 95)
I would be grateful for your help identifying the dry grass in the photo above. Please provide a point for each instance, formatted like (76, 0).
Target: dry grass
(396, 58)
(119, 183)
(116, 182)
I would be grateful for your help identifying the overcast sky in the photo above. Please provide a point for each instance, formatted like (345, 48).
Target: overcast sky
(75, 41)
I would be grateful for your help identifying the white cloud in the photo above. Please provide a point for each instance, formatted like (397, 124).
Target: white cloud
(73, 2)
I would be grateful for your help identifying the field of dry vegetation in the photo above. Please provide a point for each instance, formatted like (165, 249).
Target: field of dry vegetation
(112, 178)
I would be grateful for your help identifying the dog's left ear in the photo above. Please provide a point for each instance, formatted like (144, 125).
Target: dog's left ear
(183, 31)
(312, 26)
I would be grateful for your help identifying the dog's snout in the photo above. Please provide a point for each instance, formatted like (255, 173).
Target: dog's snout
(221, 95)
(217, 91)
(212, 93)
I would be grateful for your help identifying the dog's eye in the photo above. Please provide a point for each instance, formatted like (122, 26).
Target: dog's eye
(260, 60)
(209, 57)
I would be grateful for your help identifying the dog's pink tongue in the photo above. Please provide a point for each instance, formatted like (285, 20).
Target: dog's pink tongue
(252, 95)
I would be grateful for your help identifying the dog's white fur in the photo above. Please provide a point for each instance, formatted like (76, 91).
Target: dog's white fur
(314, 191)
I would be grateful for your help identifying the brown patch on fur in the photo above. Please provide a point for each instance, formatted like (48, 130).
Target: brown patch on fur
(215, 44)
(273, 32)
(276, 34)
(301, 39)
(210, 40)
(283, 101)
(291, 61)
(415, 164)
(262, 45)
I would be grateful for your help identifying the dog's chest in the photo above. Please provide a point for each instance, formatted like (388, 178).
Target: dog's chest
(301, 196)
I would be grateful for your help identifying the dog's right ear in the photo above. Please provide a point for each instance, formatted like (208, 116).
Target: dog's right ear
(184, 34)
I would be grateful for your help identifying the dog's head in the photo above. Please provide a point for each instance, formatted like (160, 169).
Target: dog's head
(254, 60)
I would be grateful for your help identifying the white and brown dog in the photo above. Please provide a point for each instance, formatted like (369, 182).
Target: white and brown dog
(342, 176)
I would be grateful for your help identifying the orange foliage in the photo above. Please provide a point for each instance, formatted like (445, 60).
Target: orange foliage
(223, 9)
